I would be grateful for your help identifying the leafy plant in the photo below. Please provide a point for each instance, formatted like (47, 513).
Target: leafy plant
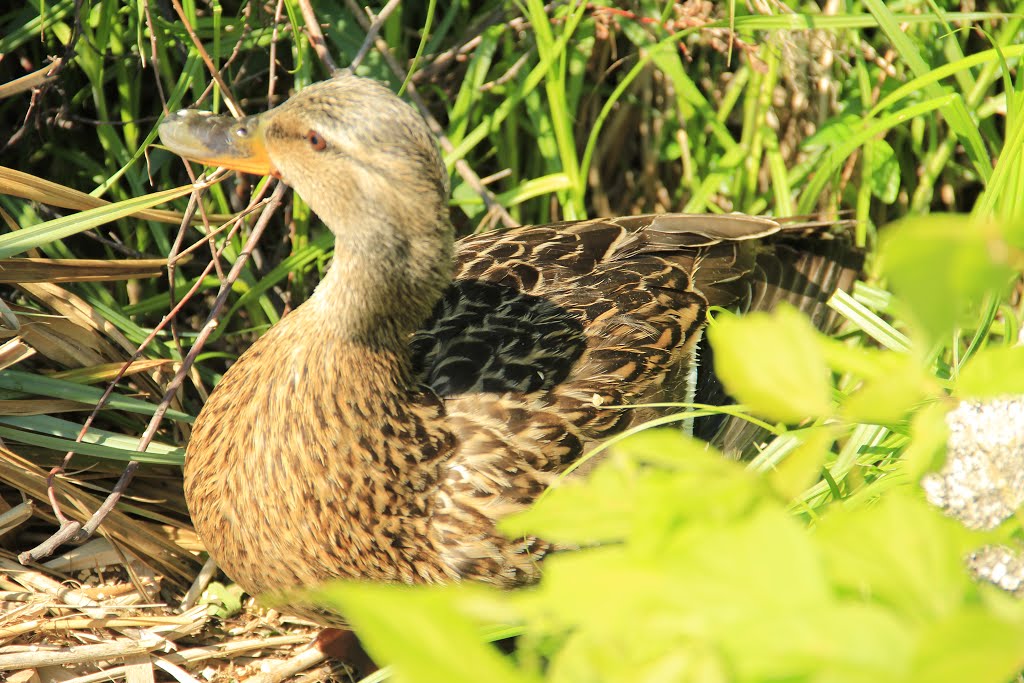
(689, 568)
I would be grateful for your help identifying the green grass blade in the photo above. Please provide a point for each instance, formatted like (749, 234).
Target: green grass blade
(18, 242)
(955, 111)
(60, 435)
(38, 385)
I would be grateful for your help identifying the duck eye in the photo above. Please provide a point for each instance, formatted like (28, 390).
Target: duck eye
(241, 131)
(316, 141)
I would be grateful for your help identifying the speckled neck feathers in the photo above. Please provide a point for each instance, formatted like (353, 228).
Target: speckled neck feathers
(379, 185)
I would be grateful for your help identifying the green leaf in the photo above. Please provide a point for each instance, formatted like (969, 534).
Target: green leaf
(883, 170)
(993, 372)
(894, 383)
(802, 467)
(223, 601)
(832, 641)
(596, 510)
(746, 594)
(887, 399)
(901, 552)
(641, 653)
(927, 449)
(15, 243)
(697, 572)
(773, 364)
(942, 267)
(654, 480)
(422, 631)
(971, 645)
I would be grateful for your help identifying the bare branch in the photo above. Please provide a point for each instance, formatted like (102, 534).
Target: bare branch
(316, 36)
(372, 30)
(229, 99)
(69, 530)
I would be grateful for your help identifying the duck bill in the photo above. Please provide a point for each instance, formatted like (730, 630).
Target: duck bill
(218, 140)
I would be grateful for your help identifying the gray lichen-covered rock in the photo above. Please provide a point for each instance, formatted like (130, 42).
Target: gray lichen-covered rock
(982, 482)
(999, 565)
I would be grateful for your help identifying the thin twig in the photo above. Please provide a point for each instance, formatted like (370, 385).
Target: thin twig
(372, 30)
(172, 261)
(68, 530)
(115, 494)
(472, 37)
(229, 99)
(78, 654)
(155, 62)
(316, 36)
(52, 75)
(42, 583)
(199, 654)
(511, 72)
(211, 324)
(235, 52)
(234, 223)
(272, 71)
(195, 591)
(306, 659)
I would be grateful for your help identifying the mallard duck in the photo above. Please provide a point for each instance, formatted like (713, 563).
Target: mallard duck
(429, 387)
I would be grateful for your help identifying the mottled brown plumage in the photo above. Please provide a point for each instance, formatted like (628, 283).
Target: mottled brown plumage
(427, 388)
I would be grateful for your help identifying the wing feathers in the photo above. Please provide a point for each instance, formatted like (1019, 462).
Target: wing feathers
(546, 330)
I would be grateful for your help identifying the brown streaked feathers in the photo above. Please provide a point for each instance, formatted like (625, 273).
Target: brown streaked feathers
(429, 388)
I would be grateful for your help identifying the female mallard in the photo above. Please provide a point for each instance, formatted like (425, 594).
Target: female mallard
(430, 387)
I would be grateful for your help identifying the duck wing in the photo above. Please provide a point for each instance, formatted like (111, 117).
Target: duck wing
(547, 330)
(537, 308)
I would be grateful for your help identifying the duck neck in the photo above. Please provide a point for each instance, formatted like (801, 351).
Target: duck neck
(384, 281)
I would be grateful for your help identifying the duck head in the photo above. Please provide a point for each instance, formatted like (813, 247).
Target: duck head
(366, 163)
